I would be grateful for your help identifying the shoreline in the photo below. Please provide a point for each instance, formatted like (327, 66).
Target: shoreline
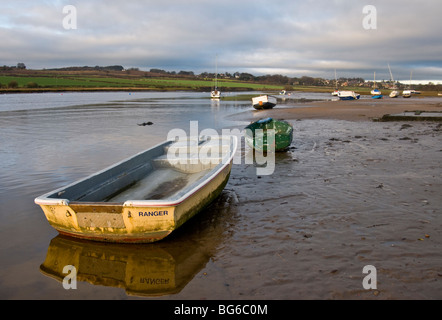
(192, 88)
(111, 89)
(345, 195)
(358, 110)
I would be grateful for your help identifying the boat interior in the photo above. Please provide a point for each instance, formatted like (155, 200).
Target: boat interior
(165, 172)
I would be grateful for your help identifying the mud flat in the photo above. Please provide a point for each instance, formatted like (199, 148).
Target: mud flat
(413, 116)
(349, 193)
(359, 110)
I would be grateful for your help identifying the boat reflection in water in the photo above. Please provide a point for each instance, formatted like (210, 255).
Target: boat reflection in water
(162, 268)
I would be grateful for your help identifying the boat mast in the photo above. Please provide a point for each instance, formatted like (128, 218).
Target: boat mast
(393, 87)
(336, 80)
(216, 73)
(215, 94)
(391, 75)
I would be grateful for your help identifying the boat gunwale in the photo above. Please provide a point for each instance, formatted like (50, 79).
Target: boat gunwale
(46, 201)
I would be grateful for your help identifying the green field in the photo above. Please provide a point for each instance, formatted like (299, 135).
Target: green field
(43, 81)
(74, 82)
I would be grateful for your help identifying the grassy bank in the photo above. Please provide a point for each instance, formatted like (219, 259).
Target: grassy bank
(34, 81)
(70, 82)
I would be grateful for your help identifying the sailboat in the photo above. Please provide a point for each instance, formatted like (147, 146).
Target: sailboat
(216, 94)
(335, 93)
(376, 93)
(348, 95)
(394, 93)
(407, 93)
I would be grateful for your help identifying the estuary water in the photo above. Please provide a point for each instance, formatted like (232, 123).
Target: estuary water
(52, 139)
(345, 195)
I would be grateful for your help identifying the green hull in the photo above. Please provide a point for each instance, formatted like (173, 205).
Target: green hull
(257, 136)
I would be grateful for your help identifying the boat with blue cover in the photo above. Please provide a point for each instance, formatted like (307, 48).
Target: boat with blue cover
(376, 93)
(348, 95)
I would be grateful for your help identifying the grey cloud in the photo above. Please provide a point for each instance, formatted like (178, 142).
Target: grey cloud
(312, 37)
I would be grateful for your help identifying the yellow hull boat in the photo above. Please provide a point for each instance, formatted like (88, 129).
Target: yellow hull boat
(146, 197)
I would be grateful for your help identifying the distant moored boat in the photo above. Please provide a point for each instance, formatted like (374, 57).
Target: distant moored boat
(394, 93)
(348, 95)
(264, 102)
(376, 93)
(406, 93)
(215, 93)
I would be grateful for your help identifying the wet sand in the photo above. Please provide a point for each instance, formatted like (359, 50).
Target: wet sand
(358, 110)
(349, 193)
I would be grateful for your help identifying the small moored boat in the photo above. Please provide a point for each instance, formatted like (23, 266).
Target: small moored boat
(146, 197)
(394, 94)
(215, 93)
(264, 102)
(376, 93)
(406, 93)
(257, 135)
(348, 95)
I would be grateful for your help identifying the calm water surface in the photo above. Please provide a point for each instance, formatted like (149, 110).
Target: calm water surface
(347, 194)
(51, 139)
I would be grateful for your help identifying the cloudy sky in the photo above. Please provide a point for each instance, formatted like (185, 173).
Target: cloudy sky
(290, 37)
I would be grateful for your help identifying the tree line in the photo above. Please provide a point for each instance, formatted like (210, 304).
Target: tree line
(273, 79)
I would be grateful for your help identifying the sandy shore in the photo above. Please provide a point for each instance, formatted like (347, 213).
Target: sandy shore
(349, 193)
(360, 110)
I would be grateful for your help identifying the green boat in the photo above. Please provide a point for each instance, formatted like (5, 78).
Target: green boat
(257, 136)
